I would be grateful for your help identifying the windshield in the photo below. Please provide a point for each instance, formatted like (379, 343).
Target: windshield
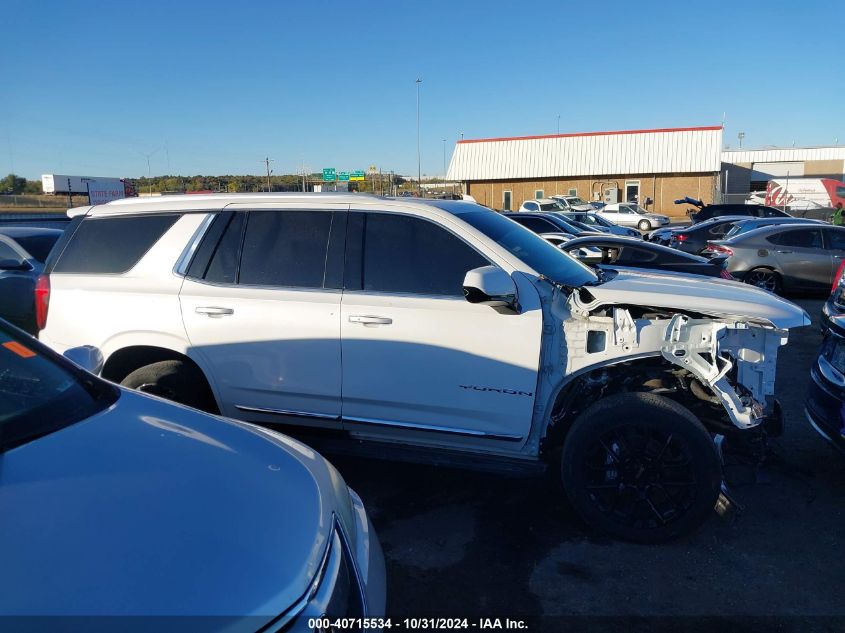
(39, 395)
(531, 249)
(551, 206)
(38, 246)
(575, 201)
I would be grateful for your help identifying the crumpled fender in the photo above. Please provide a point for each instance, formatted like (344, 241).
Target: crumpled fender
(708, 348)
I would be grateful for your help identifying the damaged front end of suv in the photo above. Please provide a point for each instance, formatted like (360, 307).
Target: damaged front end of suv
(688, 364)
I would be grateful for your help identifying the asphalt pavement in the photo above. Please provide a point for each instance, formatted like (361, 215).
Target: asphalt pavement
(474, 544)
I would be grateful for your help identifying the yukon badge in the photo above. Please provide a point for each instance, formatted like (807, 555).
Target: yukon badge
(512, 392)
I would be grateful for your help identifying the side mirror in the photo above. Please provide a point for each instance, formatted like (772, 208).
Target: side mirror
(490, 286)
(86, 356)
(14, 264)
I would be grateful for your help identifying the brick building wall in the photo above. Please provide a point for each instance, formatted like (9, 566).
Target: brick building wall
(663, 189)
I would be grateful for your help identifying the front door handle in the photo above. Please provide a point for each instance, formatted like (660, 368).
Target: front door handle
(370, 320)
(785, 252)
(214, 312)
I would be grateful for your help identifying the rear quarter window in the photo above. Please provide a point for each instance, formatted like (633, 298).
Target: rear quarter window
(113, 244)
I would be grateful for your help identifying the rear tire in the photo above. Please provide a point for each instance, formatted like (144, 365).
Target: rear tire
(174, 380)
(641, 468)
(764, 278)
(644, 225)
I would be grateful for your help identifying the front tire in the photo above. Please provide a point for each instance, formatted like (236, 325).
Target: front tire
(641, 468)
(175, 380)
(644, 225)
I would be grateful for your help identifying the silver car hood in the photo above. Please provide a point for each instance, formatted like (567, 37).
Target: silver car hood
(711, 296)
(153, 509)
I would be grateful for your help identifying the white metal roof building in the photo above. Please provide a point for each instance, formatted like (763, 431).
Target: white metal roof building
(663, 151)
(650, 166)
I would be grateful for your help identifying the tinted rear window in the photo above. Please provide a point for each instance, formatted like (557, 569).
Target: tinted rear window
(112, 245)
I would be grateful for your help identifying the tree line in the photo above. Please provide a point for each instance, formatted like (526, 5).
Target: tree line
(17, 185)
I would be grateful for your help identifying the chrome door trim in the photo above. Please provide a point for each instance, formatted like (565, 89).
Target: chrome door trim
(436, 429)
(300, 414)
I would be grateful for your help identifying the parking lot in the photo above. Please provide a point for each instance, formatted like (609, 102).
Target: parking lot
(466, 543)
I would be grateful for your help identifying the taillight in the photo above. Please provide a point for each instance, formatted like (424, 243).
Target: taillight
(837, 278)
(681, 237)
(42, 301)
(721, 250)
(724, 274)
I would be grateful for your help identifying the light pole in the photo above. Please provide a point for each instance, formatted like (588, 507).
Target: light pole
(419, 163)
(444, 165)
(740, 136)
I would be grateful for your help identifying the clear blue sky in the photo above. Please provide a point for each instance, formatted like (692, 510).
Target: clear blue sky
(212, 87)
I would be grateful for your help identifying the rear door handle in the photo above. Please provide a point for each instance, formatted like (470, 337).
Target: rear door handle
(370, 320)
(214, 311)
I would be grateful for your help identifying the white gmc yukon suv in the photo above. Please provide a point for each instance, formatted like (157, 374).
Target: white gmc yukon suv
(434, 325)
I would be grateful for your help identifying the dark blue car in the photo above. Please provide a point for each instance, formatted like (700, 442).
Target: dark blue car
(825, 404)
(23, 251)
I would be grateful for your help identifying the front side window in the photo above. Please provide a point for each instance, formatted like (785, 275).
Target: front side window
(538, 225)
(531, 248)
(806, 238)
(835, 240)
(404, 254)
(38, 395)
(285, 248)
(112, 244)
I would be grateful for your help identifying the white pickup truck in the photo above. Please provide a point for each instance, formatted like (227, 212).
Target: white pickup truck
(437, 326)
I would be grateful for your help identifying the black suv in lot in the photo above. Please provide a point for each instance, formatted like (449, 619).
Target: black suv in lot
(751, 210)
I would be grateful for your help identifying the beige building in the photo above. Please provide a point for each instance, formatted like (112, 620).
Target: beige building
(654, 167)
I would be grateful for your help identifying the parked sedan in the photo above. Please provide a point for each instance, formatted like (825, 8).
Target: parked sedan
(119, 503)
(785, 257)
(631, 214)
(22, 255)
(614, 251)
(744, 226)
(693, 239)
(548, 223)
(825, 402)
(598, 223)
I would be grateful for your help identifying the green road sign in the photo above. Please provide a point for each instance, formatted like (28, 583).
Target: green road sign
(342, 176)
(329, 174)
(356, 175)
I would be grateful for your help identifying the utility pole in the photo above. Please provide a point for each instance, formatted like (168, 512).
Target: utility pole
(267, 162)
(148, 156)
(419, 164)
